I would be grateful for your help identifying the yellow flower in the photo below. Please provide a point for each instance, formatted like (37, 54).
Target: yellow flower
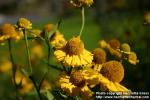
(37, 51)
(79, 3)
(125, 47)
(57, 40)
(86, 2)
(24, 23)
(45, 85)
(8, 31)
(36, 32)
(78, 82)
(74, 54)
(132, 58)
(99, 57)
(111, 75)
(5, 66)
(22, 80)
(113, 46)
(103, 44)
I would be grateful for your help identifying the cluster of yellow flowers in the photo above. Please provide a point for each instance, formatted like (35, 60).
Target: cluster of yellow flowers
(82, 69)
(10, 31)
(92, 68)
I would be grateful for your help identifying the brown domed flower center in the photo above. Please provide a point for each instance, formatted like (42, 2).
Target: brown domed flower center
(113, 70)
(74, 46)
(99, 56)
(114, 43)
(77, 78)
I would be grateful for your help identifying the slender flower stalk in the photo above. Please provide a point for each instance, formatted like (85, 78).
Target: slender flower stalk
(13, 64)
(27, 49)
(36, 87)
(83, 21)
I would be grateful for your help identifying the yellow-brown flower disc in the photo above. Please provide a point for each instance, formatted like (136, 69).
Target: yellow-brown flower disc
(77, 78)
(74, 46)
(114, 43)
(99, 56)
(113, 70)
(125, 47)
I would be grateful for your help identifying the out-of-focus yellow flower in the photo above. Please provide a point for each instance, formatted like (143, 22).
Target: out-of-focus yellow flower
(57, 40)
(45, 85)
(47, 28)
(79, 3)
(74, 54)
(24, 23)
(5, 66)
(37, 51)
(78, 82)
(22, 80)
(125, 47)
(132, 58)
(147, 17)
(36, 32)
(113, 46)
(103, 44)
(8, 31)
(111, 75)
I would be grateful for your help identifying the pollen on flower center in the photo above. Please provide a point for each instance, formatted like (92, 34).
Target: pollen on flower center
(113, 70)
(74, 46)
(99, 56)
(77, 78)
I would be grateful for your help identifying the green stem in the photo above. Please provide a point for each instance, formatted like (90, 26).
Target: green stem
(83, 21)
(13, 64)
(27, 49)
(36, 87)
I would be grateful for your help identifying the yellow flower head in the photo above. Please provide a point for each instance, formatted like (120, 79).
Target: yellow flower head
(22, 80)
(8, 30)
(37, 51)
(78, 82)
(99, 56)
(79, 3)
(132, 58)
(36, 32)
(114, 43)
(24, 23)
(45, 85)
(113, 46)
(5, 66)
(125, 47)
(57, 40)
(73, 54)
(113, 70)
(103, 44)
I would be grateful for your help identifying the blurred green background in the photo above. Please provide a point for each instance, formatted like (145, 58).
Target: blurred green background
(106, 19)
